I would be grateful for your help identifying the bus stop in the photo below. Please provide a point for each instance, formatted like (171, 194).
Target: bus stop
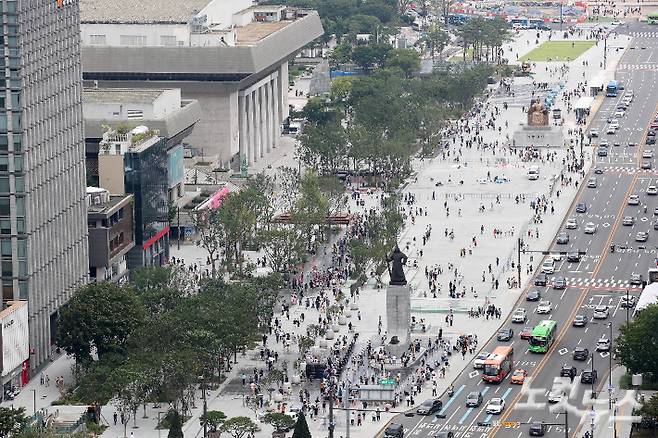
(582, 107)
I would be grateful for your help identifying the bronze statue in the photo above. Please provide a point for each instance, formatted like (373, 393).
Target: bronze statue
(396, 270)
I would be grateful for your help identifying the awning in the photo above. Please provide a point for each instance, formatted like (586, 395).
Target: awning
(597, 82)
(584, 103)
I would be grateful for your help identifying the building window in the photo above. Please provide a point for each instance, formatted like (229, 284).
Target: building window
(5, 226)
(4, 163)
(134, 114)
(168, 40)
(97, 40)
(132, 40)
(4, 184)
(4, 206)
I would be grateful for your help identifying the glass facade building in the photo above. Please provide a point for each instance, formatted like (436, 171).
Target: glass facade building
(43, 235)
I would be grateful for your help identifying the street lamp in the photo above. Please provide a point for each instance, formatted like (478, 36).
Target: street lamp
(610, 370)
(158, 425)
(593, 391)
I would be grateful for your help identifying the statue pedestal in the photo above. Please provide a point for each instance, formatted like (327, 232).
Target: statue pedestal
(398, 313)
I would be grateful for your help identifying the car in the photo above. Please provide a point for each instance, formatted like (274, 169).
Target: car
(519, 315)
(518, 376)
(636, 279)
(573, 256)
(603, 344)
(593, 133)
(588, 376)
(555, 395)
(590, 228)
(572, 224)
(651, 133)
(641, 236)
(526, 332)
(646, 165)
(544, 307)
(628, 221)
(579, 321)
(444, 434)
(616, 144)
(631, 144)
(559, 283)
(542, 279)
(634, 200)
(612, 130)
(601, 312)
(537, 428)
(591, 183)
(548, 267)
(602, 151)
(580, 353)
(648, 153)
(581, 207)
(478, 362)
(627, 302)
(598, 170)
(473, 399)
(430, 406)
(655, 225)
(651, 140)
(568, 371)
(505, 334)
(562, 238)
(652, 190)
(532, 295)
(604, 143)
(394, 430)
(495, 406)
(620, 113)
(622, 105)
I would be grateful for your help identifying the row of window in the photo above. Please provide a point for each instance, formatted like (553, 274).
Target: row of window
(132, 40)
(5, 206)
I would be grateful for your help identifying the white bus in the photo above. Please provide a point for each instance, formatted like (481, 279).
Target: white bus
(533, 173)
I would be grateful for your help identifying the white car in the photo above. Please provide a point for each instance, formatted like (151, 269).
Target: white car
(601, 312)
(590, 228)
(495, 406)
(634, 200)
(519, 316)
(478, 362)
(544, 307)
(593, 133)
(555, 395)
(603, 344)
(652, 190)
(572, 224)
(620, 113)
(548, 267)
(611, 130)
(647, 154)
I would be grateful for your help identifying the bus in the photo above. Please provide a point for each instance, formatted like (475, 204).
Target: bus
(498, 365)
(652, 276)
(652, 18)
(543, 336)
(611, 89)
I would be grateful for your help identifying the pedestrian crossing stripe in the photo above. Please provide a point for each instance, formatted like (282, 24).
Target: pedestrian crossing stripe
(644, 34)
(650, 67)
(625, 169)
(598, 282)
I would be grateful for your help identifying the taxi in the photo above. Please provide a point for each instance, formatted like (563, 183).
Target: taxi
(519, 376)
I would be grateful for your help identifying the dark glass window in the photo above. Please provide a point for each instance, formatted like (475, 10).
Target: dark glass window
(4, 205)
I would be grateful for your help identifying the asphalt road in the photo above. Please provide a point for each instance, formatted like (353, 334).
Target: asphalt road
(600, 278)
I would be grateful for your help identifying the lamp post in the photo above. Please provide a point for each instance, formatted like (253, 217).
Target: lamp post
(34, 401)
(205, 407)
(610, 370)
(158, 425)
(593, 391)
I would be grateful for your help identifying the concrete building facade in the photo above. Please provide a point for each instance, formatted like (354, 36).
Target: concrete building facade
(230, 56)
(43, 230)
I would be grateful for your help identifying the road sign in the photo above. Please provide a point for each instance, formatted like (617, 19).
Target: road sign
(387, 381)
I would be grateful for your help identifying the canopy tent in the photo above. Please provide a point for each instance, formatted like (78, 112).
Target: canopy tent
(584, 103)
(648, 296)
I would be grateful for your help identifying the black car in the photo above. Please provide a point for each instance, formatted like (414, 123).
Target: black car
(533, 295)
(588, 376)
(505, 334)
(444, 434)
(651, 140)
(559, 283)
(580, 353)
(580, 321)
(573, 256)
(537, 428)
(541, 280)
(430, 406)
(394, 431)
(636, 279)
(581, 207)
(598, 170)
(646, 165)
(568, 371)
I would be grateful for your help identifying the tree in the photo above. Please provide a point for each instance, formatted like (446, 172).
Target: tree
(175, 425)
(210, 230)
(214, 419)
(239, 427)
(284, 248)
(12, 421)
(434, 40)
(280, 422)
(311, 209)
(634, 339)
(301, 428)
(161, 288)
(259, 198)
(323, 147)
(100, 316)
(406, 60)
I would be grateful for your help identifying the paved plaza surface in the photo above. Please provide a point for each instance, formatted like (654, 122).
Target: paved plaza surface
(477, 200)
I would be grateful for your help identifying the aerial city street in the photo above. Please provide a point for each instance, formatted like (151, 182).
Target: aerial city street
(330, 219)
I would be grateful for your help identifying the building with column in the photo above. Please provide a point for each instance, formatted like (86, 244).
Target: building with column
(229, 55)
(43, 213)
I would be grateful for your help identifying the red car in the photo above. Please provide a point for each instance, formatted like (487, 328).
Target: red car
(526, 332)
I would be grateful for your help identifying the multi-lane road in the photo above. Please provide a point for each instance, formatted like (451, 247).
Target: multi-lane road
(599, 278)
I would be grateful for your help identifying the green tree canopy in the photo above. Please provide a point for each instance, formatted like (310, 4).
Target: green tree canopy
(301, 428)
(239, 427)
(280, 422)
(12, 421)
(638, 342)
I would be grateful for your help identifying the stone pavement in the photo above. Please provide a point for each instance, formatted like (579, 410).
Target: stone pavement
(509, 216)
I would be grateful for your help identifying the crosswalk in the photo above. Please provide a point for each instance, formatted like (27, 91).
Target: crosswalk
(612, 283)
(625, 169)
(644, 34)
(645, 67)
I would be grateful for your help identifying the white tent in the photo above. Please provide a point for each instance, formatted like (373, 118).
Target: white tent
(648, 296)
(584, 103)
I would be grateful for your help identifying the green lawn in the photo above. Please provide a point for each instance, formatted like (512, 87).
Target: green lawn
(558, 51)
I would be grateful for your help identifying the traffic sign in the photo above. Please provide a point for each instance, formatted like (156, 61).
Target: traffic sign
(387, 381)
(510, 424)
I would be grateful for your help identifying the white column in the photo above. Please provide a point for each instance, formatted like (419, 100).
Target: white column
(242, 128)
(257, 125)
(251, 128)
(274, 113)
(277, 109)
(283, 87)
(270, 116)
(263, 120)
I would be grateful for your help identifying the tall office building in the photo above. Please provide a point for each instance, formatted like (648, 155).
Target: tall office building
(43, 212)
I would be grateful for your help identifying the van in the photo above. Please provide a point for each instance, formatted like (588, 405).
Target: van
(394, 431)
(548, 267)
(533, 173)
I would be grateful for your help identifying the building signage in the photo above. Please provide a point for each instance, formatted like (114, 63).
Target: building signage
(62, 3)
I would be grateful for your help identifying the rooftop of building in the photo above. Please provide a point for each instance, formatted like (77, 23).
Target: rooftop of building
(149, 11)
(121, 95)
(10, 307)
(109, 207)
(256, 31)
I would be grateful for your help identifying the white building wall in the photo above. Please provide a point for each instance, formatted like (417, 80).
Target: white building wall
(168, 102)
(152, 33)
(15, 339)
(221, 11)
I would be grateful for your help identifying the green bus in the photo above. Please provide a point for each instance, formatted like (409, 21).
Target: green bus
(543, 336)
(652, 18)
